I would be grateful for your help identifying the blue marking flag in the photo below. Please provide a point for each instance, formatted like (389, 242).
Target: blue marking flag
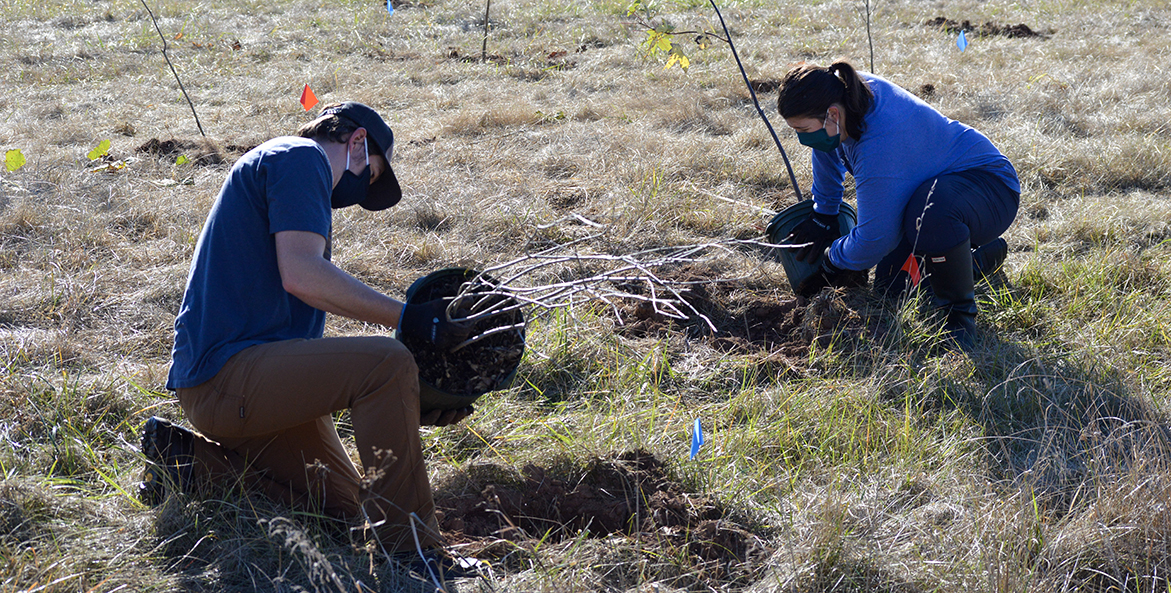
(962, 42)
(389, 7)
(696, 438)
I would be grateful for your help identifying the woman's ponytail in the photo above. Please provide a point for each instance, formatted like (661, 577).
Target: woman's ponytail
(857, 97)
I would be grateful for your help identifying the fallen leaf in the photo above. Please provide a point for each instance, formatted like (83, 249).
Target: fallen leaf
(102, 149)
(14, 159)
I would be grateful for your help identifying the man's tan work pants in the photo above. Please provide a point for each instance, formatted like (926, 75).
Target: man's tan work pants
(266, 419)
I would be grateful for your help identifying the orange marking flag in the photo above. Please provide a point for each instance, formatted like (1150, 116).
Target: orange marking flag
(308, 99)
(911, 266)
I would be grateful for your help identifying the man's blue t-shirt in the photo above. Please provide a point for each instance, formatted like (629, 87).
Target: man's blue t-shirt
(905, 143)
(234, 297)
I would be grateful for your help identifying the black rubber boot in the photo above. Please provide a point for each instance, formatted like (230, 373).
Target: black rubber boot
(987, 258)
(169, 452)
(954, 288)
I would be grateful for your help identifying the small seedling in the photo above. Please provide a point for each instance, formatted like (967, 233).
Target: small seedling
(172, 67)
(484, 44)
(659, 42)
(182, 160)
(632, 277)
(550, 117)
(660, 37)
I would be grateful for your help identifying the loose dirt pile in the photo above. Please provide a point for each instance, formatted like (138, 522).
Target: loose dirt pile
(989, 28)
(499, 512)
(201, 152)
(745, 323)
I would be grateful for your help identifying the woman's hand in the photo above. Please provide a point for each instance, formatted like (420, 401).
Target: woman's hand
(816, 233)
(831, 275)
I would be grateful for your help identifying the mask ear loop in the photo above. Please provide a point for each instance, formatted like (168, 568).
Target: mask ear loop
(365, 150)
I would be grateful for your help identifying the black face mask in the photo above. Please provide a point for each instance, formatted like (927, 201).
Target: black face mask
(351, 188)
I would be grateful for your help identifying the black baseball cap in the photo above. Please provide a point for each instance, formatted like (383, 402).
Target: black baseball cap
(385, 192)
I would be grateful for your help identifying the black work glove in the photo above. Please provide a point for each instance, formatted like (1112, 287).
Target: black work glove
(831, 275)
(819, 230)
(428, 322)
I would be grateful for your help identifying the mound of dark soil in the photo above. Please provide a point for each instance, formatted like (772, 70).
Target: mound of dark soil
(827, 316)
(474, 369)
(630, 495)
(765, 85)
(201, 152)
(744, 322)
(989, 28)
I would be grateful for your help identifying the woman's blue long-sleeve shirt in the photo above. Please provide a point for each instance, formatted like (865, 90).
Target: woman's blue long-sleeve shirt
(905, 142)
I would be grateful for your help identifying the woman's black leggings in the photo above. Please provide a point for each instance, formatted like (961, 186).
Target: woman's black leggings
(945, 210)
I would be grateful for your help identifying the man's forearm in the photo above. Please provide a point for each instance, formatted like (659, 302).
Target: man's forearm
(322, 285)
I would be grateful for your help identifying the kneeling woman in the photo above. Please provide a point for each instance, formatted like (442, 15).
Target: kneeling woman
(925, 184)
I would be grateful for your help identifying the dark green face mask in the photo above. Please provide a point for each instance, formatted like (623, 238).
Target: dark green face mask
(820, 139)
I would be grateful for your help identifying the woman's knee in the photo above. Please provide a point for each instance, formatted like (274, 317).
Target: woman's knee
(932, 222)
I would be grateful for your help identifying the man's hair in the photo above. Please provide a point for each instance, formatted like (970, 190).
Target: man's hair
(328, 127)
(808, 91)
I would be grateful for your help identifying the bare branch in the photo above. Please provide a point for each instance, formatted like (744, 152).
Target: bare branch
(577, 276)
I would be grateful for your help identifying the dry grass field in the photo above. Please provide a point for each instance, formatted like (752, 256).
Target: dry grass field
(844, 450)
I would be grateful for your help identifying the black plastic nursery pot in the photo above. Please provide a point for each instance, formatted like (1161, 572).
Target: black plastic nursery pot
(786, 220)
(451, 380)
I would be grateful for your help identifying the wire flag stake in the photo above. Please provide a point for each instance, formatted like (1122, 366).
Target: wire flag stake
(696, 438)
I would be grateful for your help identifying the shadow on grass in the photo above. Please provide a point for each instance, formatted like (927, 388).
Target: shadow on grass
(1089, 452)
(233, 542)
(1053, 420)
(840, 573)
(1054, 423)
